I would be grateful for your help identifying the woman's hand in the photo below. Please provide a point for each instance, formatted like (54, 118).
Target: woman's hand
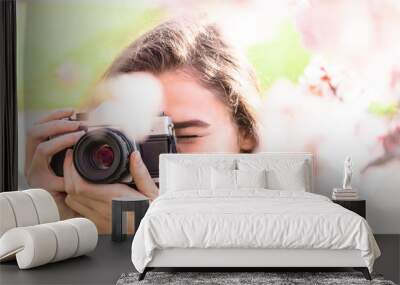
(93, 201)
(39, 150)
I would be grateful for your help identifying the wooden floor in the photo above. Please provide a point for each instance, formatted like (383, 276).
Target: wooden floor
(110, 260)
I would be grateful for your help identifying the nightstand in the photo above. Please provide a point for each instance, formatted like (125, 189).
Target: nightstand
(126, 204)
(357, 206)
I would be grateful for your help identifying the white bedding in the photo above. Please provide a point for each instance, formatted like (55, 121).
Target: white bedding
(251, 218)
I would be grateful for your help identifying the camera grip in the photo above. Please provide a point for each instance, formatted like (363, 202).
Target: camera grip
(57, 162)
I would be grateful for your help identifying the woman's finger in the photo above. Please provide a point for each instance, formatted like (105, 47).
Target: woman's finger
(44, 131)
(106, 192)
(67, 167)
(141, 176)
(103, 225)
(51, 147)
(102, 208)
(81, 185)
(57, 115)
(40, 161)
(35, 135)
(56, 184)
(81, 209)
(65, 211)
(101, 192)
(38, 175)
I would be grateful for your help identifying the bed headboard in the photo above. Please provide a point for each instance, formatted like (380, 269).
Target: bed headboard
(239, 161)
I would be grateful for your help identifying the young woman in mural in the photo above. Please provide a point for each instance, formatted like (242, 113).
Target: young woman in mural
(210, 92)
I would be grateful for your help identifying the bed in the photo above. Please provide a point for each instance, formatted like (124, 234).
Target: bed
(244, 211)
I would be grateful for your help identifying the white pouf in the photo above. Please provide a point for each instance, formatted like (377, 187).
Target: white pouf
(40, 244)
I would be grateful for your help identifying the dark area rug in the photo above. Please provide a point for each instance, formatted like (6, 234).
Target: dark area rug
(273, 278)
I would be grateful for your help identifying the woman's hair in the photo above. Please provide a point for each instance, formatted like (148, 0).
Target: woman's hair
(202, 50)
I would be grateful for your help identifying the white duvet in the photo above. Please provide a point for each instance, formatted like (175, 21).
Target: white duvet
(250, 219)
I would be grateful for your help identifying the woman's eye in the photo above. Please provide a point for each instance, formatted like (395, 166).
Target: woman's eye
(186, 138)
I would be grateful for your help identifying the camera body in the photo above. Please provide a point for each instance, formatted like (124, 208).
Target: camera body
(101, 155)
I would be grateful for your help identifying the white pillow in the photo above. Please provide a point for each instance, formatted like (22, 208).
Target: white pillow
(251, 178)
(188, 177)
(282, 174)
(292, 179)
(223, 179)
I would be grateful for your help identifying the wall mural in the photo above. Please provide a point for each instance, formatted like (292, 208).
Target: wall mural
(329, 73)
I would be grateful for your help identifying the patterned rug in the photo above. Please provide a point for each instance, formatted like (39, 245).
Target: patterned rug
(268, 278)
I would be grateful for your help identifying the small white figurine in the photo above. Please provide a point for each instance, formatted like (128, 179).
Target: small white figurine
(348, 172)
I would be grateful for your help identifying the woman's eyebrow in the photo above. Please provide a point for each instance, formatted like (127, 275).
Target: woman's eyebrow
(191, 123)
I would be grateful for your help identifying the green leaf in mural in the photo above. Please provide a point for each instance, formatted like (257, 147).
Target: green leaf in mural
(384, 110)
(282, 57)
(68, 45)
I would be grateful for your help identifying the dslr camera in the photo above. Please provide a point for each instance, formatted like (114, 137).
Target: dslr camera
(101, 155)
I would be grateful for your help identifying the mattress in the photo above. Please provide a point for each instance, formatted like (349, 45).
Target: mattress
(250, 219)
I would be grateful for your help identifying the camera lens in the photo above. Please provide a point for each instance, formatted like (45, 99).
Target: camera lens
(102, 155)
